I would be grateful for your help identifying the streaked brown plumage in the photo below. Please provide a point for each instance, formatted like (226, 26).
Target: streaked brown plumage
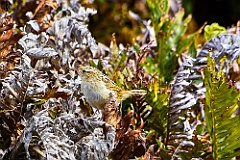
(97, 87)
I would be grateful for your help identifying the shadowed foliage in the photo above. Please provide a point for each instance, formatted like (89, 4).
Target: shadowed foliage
(191, 106)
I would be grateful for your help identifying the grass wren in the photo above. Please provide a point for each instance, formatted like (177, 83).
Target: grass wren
(97, 87)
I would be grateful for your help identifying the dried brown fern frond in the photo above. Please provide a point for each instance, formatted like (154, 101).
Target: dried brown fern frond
(43, 8)
(111, 112)
(8, 63)
(8, 35)
(13, 83)
(131, 142)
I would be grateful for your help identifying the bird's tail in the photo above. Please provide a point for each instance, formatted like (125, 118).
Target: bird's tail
(127, 94)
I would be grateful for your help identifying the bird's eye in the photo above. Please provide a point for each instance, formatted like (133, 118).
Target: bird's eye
(84, 71)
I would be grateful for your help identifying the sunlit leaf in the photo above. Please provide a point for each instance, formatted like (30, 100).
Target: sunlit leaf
(213, 30)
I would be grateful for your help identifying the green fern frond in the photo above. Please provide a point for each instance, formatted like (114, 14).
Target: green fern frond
(221, 104)
(171, 39)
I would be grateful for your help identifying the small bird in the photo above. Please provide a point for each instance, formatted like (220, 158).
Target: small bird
(97, 88)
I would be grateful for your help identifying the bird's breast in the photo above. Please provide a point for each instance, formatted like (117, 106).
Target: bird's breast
(96, 94)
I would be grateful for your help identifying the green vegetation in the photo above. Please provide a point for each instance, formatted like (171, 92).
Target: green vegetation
(191, 79)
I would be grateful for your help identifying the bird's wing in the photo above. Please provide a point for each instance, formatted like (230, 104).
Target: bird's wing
(110, 84)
